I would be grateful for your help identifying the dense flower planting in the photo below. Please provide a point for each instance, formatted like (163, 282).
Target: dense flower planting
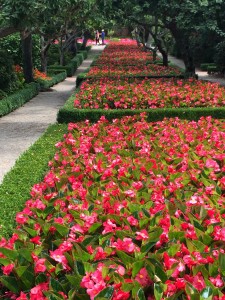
(118, 70)
(154, 93)
(128, 210)
(38, 75)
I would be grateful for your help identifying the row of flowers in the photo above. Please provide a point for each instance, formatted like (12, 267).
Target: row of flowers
(128, 210)
(119, 59)
(38, 75)
(145, 70)
(144, 94)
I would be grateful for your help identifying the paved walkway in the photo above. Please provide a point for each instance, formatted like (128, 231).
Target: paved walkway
(21, 128)
(201, 74)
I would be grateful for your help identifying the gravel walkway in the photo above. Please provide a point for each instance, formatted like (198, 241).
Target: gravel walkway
(21, 128)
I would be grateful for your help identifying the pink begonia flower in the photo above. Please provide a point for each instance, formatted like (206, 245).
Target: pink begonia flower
(120, 270)
(21, 218)
(7, 269)
(143, 278)
(40, 265)
(100, 254)
(142, 235)
(120, 295)
(36, 293)
(217, 281)
(58, 256)
(130, 193)
(137, 185)
(36, 240)
(109, 226)
(77, 228)
(132, 221)
(210, 163)
(22, 296)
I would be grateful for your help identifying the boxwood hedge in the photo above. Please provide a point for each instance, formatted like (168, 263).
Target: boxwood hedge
(17, 99)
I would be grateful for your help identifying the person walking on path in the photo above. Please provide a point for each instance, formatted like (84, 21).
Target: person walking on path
(103, 37)
(97, 37)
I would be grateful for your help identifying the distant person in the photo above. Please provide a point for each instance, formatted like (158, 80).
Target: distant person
(103, 37)
(97, 37)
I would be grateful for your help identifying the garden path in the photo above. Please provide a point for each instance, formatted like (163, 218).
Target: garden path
(201, 74)
(21, 128)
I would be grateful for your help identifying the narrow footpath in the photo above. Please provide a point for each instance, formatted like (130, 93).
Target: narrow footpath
(21, 128)
(201, 74)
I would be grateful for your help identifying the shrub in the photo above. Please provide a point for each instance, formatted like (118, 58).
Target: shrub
(219, 57)
(7, 75)
(17, 99)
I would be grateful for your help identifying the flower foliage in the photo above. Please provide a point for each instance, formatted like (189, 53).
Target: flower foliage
(154, 93)
(120, 59)
(128, 210)
(38, 75)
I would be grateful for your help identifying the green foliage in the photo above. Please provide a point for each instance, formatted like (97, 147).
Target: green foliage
(13, 45)
(7, 75)
(68, 114)
(55, 78)
(17, 99)
(28, 170)
(219, 57)
(71, 66)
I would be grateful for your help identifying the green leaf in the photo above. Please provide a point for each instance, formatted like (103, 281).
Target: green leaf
(158, 291)
(56, 286)
(11, 283)
(173, 249)
(126, 259)
(161, 274)
(207, 293)
(31, 231)
(147, 247)
(222, 262)
(74, 280)
(63, 230)
(106, 293)
(5, 261)
(141, 294)
(137, 267)
(94, 227)
(80, 268)
(26, 253)
(11, 254)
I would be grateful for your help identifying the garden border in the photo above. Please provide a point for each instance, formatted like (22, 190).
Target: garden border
(17, 183)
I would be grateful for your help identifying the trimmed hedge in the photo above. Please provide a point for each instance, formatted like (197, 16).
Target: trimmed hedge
(71, 67)
(56, 78)
(17, 99)
(69, 114)
(204, 66)
(84, 53)
(28, 170)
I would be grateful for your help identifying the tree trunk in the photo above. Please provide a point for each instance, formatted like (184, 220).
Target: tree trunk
(44, 51)
(27, 57)
(183, 44)
(61, 53)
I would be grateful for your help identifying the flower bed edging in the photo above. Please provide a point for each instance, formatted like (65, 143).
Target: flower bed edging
(28, 170)
(17, 99)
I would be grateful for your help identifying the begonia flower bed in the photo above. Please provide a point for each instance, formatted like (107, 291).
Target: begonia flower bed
(154, 93)
(128, 210)
(148, 70)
